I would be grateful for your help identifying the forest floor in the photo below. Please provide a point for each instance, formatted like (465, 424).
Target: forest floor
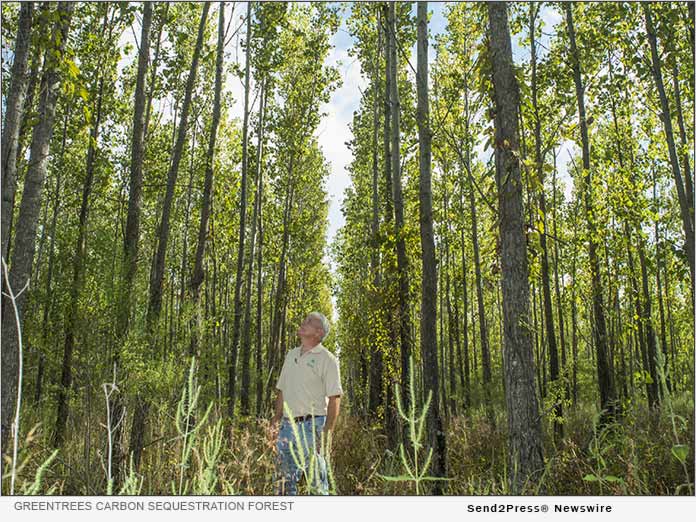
(644, 453)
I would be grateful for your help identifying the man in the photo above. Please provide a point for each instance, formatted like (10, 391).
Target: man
(310, 385)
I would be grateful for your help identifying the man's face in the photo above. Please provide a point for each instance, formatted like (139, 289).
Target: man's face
(310, 328)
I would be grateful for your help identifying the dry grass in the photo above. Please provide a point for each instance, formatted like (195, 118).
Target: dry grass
(636, 452)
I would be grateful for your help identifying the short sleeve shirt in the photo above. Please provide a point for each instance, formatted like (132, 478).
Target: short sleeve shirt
(308, 380)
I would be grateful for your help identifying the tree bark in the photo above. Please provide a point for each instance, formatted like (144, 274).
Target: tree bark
(666, 117)
(237, 304)
(14, 109)
(524, 426)
(404, 313)
(429, 268)
(198, 275)
(27, 221)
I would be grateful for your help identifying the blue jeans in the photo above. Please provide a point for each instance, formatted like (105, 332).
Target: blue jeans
(307, 460)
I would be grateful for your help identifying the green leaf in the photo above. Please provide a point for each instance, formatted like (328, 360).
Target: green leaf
(680, 452)
(590, 478)
(74, 70)
(612, 478)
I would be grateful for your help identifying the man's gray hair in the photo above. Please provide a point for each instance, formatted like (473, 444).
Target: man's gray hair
(324, 323)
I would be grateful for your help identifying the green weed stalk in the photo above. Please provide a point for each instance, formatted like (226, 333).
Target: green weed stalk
(186, 428)
(417, 471)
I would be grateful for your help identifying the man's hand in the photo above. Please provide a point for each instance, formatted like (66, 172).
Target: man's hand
(274, 426)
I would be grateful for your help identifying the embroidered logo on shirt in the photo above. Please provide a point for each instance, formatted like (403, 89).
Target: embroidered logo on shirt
(311, 363)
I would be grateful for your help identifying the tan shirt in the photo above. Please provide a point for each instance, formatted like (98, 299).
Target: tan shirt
(307, 381)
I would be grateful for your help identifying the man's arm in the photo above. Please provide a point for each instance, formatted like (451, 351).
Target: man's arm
(332, 413)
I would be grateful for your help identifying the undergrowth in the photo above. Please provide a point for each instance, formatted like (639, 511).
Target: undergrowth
(634, 456)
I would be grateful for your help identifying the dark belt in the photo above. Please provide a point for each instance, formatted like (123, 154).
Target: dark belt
(306, 418)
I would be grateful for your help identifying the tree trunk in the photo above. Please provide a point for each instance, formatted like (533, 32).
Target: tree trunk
(557, 285)
(524, 426)
(605, 378)
(197, 275)
(14, 109)
(483, 327)
(246, 334)
(428, 331)
(653, 393)
(259, 295)
(545, 277)
(48, 305)
(404, 313)
(237, 304)
(452, 323)
(27, 221)
(376, 366)
(131, 240)
(666, 117)
(688, 180)
(668, 368)
(465, 311)
(78, 267)
(155, 299)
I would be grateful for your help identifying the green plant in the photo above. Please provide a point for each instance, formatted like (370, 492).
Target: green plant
(679, 451)
(599, 447)
(187, 427)
(35, 487)
(206, 480)
(133, 484)
(415, 472)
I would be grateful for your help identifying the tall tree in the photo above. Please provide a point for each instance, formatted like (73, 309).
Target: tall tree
(157, 276)
(131, 239)
(14, 108)
(404, 314)
(30, 206)
(377, 366)
(525, 451)
(239, 274)
(246, 331)
(607, 390)
(539, 173)
(428, 330)
(198, 275)
(666, 117)
(79, 257)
